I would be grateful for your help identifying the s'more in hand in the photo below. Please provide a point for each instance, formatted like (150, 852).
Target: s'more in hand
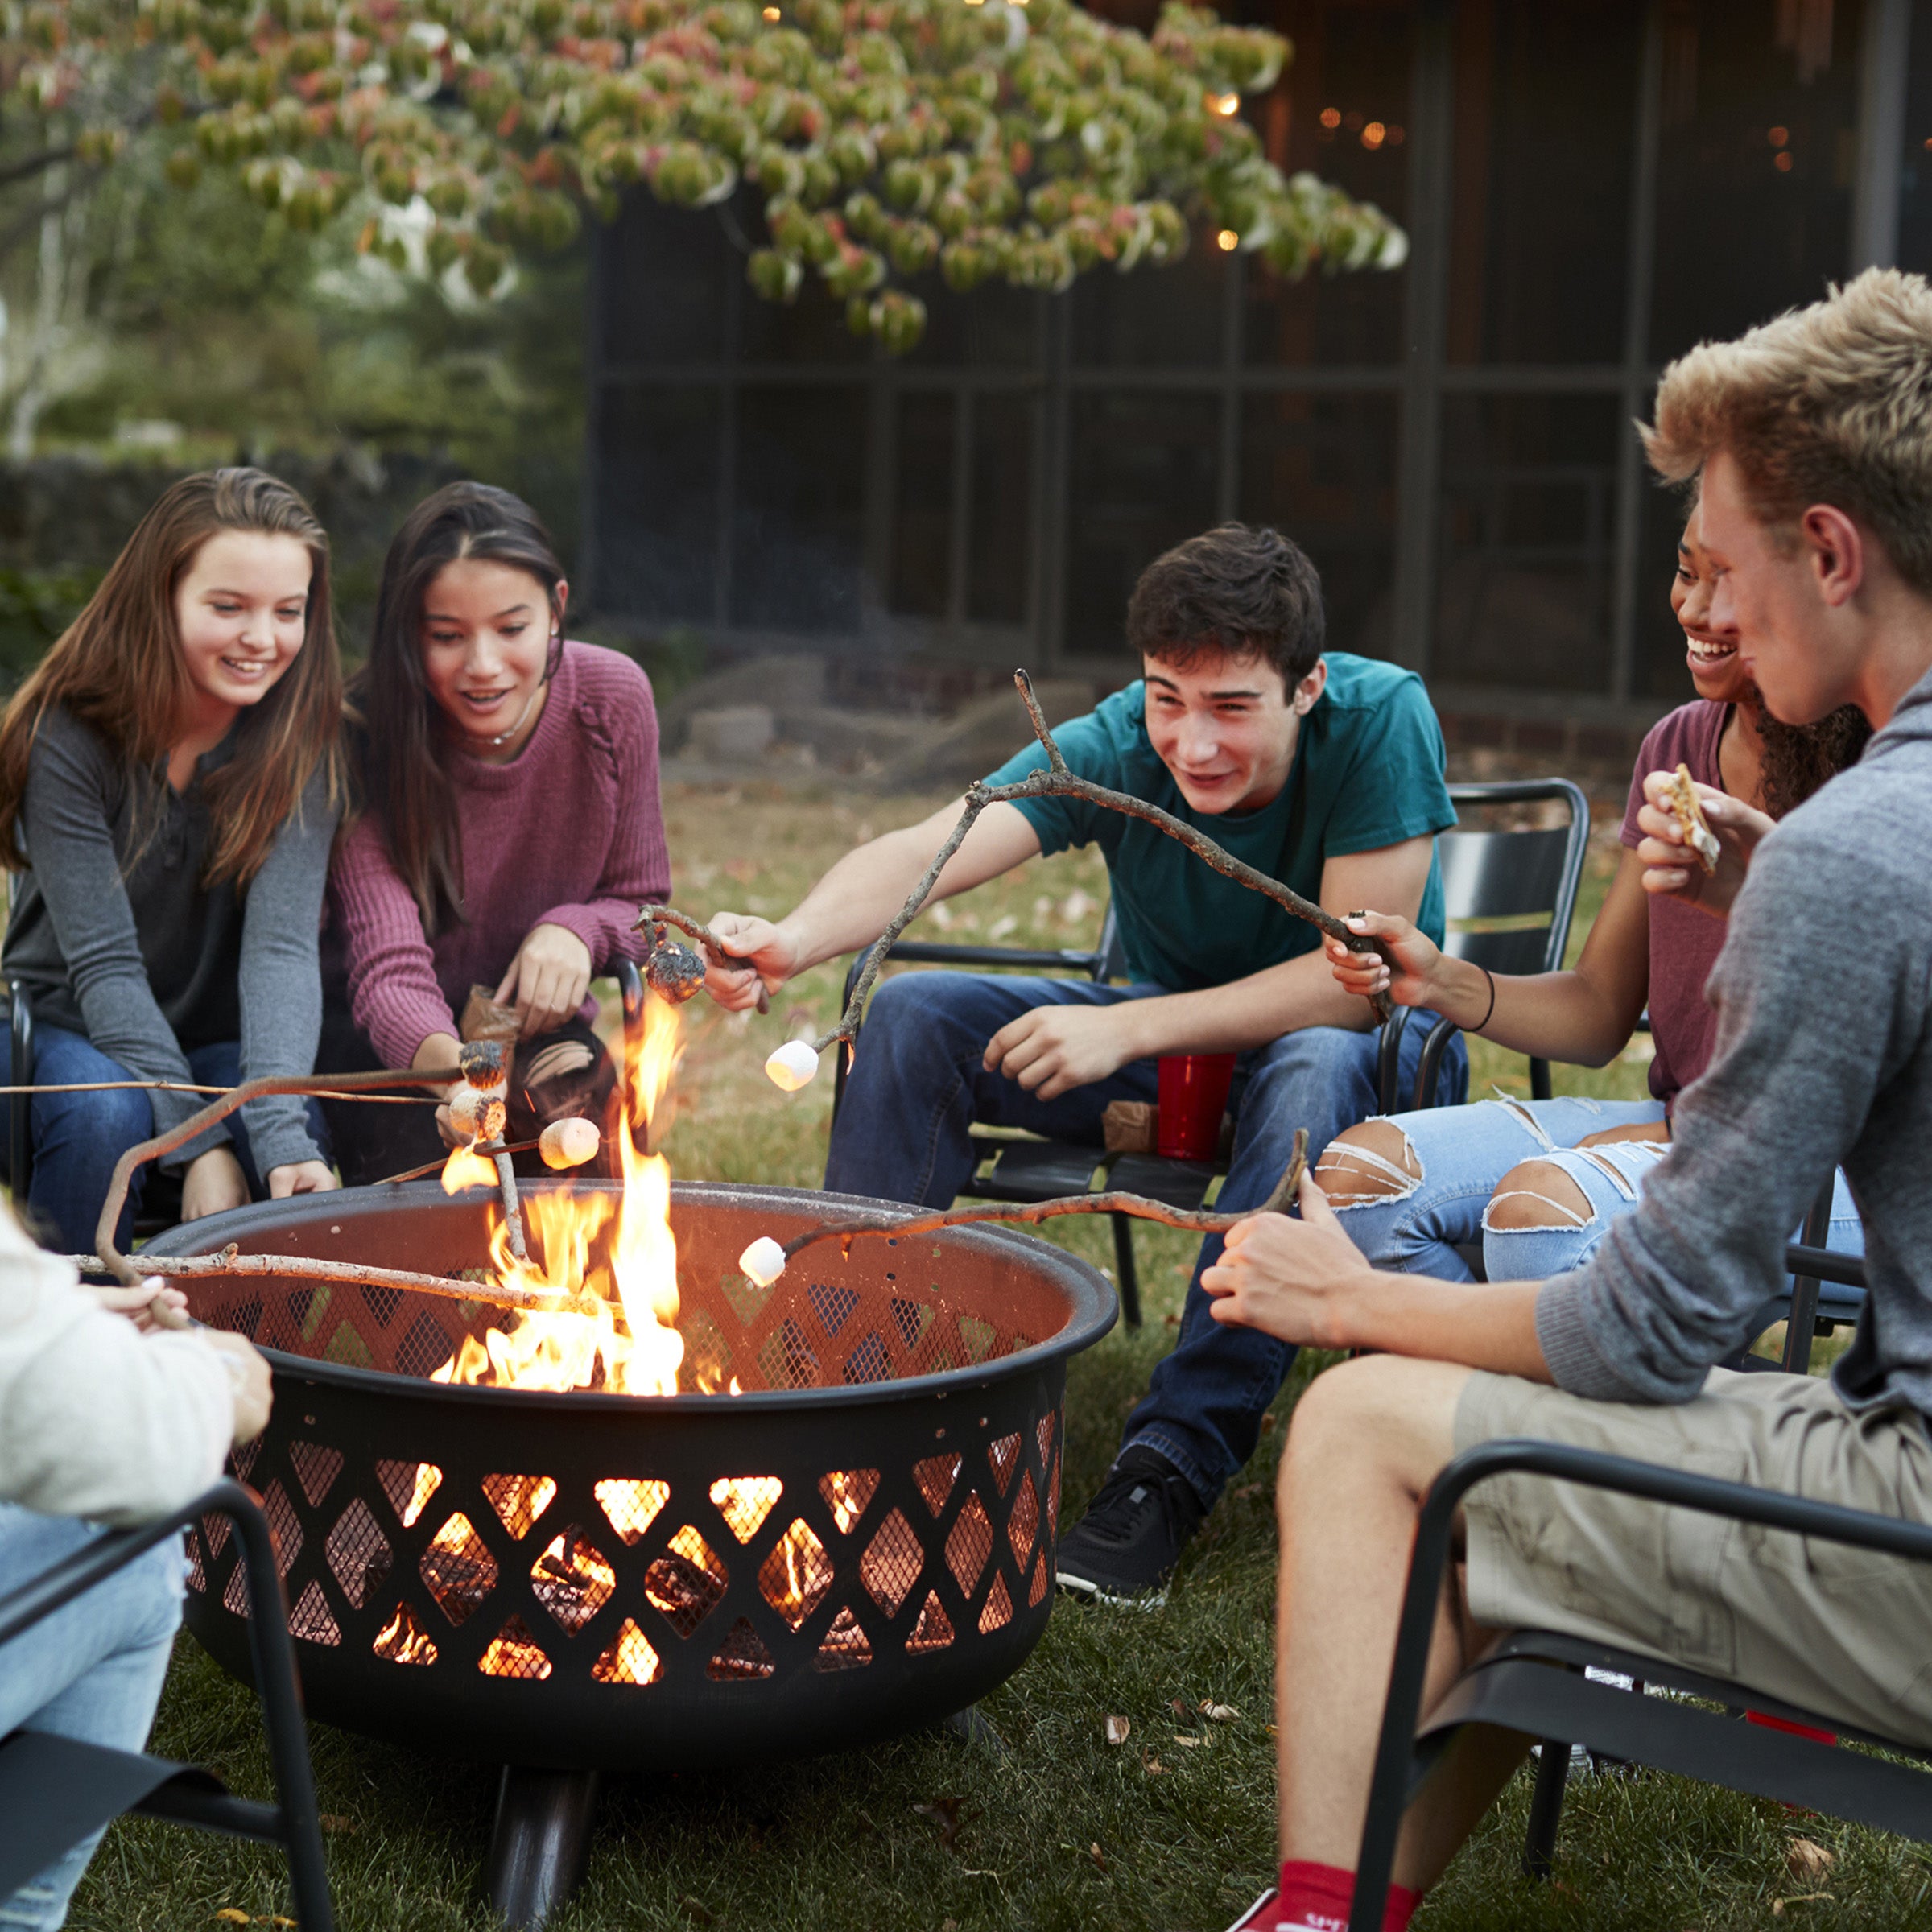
(1679, 798)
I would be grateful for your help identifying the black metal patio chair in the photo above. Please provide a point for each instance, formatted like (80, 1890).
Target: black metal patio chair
(1534, 1681)
(1509, 894)
(55, 1790)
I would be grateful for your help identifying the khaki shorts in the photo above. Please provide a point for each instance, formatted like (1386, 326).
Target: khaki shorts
(1844, 1632)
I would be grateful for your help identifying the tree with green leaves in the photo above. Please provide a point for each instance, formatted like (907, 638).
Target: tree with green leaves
(1025, 141)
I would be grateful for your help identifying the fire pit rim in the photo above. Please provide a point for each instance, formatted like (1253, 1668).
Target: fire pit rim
(1095, 1306)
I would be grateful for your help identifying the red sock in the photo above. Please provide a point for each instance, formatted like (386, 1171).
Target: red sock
(1319, 1897)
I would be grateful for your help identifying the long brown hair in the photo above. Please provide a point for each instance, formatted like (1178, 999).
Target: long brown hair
(404, 780)
(119, 668)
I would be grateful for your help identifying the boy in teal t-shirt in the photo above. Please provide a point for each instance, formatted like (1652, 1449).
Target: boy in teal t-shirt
(1324, 773)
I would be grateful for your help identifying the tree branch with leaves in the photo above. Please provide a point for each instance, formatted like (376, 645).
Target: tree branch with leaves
(886, 143)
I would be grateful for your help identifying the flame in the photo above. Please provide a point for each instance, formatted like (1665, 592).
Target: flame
(403, 1641)
(467, 1168)
(612, 1258)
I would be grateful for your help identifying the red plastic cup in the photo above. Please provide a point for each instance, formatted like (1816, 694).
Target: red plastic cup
(1193, 1096)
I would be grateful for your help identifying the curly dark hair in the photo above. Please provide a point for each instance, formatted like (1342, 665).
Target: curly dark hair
(1236, 591)
(1799, 758)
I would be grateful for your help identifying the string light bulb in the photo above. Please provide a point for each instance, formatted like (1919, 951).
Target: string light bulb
(1227, 240)
(1225, 104)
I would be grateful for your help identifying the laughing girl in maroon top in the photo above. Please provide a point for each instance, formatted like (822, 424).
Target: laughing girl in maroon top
(1538, 1182)
(510, 824)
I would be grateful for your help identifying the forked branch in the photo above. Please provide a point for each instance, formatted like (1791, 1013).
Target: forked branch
(1057, 781)
(1196, 1220)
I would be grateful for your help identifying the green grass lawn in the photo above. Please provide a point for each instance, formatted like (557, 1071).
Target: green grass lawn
(1172, 1831)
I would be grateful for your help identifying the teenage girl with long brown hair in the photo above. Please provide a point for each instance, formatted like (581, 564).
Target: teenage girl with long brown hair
(510, 824)
(169, 786)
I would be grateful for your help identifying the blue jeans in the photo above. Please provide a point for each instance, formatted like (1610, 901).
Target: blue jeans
(917, 1087)
(92, 1671)
(1464, 1152)
(79, 1136)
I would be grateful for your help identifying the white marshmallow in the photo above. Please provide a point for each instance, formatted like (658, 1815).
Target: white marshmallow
(792, 1065)
(763, 1261)
(569, 1143)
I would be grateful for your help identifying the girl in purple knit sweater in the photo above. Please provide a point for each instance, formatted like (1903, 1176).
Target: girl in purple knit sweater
(510, 825)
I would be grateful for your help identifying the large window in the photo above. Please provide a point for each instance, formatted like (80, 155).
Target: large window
(1589, 188)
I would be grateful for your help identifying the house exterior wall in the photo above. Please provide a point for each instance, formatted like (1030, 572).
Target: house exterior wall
(1589, 188)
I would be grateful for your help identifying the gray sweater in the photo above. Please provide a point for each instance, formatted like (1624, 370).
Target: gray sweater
(1823, 1057)
(145, 958)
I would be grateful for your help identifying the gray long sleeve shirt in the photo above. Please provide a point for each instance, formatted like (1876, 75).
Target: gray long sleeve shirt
(1823, 1059)
(146, 960)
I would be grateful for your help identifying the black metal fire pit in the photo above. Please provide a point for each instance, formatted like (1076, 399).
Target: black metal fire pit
(859, 1543)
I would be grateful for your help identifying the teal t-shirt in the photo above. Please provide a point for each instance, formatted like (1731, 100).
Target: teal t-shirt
(1368, 772)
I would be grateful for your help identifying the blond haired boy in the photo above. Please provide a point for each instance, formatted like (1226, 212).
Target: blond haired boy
(1811, 438)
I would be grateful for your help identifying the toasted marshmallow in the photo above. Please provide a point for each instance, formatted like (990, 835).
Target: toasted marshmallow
(792, 1065)
(569, 1143)
(763, 1261)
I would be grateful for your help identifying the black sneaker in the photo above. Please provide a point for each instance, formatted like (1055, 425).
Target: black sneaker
(1124, 1549)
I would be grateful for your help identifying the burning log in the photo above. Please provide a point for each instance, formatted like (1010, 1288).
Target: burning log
(1057, 781)
(766, 1259)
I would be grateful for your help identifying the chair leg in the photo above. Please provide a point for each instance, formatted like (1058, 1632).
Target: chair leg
(1545, 1810)
(1123, 1264)
(277, 1687)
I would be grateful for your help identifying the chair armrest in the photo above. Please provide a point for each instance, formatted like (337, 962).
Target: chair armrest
(1677, 1489)
(1825, 1264)
(74, 1575)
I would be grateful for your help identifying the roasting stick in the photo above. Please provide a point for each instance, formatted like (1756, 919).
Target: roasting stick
(228, 1262)
(667, 986)
(111, 1260)
(765, 1260)
(793, 1064)
(318, 1093)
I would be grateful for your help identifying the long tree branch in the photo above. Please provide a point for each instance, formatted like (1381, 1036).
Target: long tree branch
(1196, 1220)
(113, 1261)
(228, 1262)
(1057, 781)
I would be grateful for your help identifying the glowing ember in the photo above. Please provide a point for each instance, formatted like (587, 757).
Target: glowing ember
(612, 1259)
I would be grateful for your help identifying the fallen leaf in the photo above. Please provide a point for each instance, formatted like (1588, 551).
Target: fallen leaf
(1179, 1709)
(1115, 1730)
(233, 1917)
(1220, 1714)
(1098, 1856)
(949, 1925)
(1151, 1764)
(1805, 1858)
(1187, 1743)
(1173, 1321)
(1267, 1424)
(696, 1909)
(334, 1822)
(944, 1812)
(1249, 1492)
(1270, 1729)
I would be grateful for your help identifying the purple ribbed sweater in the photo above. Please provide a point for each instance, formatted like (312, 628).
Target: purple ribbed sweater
(569, 832)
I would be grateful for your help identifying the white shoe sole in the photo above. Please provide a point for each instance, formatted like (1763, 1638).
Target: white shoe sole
(1089, 1592)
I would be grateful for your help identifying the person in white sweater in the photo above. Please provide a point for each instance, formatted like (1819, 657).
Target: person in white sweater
(106, 1421)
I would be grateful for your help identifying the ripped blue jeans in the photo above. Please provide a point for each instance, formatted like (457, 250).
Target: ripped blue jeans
(1412, 1216)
